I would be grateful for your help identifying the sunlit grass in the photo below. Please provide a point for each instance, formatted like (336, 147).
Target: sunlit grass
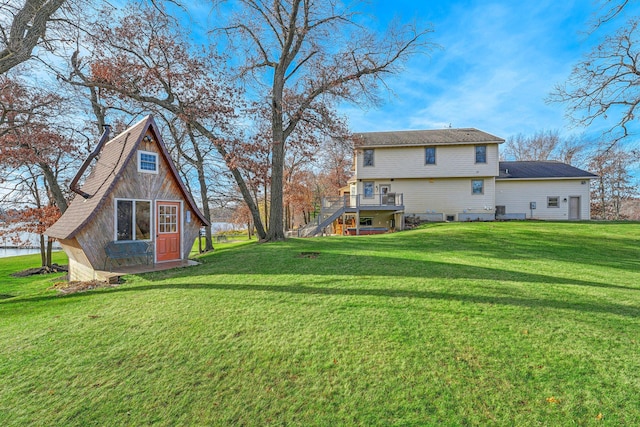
(452, 324)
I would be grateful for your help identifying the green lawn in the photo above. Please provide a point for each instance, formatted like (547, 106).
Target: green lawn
(521, 323)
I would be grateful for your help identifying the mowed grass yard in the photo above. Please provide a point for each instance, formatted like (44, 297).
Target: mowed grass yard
(521, 323)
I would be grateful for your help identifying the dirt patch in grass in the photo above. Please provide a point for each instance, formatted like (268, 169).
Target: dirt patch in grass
(309, 255)
(55, 268)
(73, 287)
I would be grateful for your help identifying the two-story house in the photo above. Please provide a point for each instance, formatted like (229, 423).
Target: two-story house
(448, 175)
(445, 174)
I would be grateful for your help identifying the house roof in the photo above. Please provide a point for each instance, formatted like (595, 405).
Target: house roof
(425, 137)
(541, 170)
(112, 161)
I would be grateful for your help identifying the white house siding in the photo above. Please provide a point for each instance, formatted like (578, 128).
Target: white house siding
(409, 162)
(449, 196)
(516, 196)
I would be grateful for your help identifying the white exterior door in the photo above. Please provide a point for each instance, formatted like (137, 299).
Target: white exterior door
(574, 208)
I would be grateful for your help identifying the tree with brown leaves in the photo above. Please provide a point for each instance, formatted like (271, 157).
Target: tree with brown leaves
(26, 137)
(318, 51)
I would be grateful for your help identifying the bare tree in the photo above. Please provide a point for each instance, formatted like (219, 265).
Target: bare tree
(545, 145)
(614, 184)
(606, 83)
(28, 25)
(321, 53)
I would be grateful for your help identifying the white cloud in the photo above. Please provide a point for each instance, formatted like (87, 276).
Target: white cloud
(499, 62)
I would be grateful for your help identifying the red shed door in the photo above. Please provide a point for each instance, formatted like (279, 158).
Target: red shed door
(167, 231)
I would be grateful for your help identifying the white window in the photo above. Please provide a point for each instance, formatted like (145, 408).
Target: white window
(133, 220)
(477, 186)
(368, 157)
(430, 156)
(147, 162)
(481, 154)
(368, 189)
(553, 202)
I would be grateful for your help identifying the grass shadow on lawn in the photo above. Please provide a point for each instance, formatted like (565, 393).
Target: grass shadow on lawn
(617, 309)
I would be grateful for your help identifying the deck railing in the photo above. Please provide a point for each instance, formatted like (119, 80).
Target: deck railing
(334, 206)
(376, 199)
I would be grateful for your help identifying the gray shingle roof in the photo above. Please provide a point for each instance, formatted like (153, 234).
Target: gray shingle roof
(541, 169)
(425, 137)
(112, 161)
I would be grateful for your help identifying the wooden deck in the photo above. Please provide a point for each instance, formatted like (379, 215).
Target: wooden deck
(117, 271)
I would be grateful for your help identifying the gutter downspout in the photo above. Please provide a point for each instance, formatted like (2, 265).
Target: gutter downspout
(74, 182)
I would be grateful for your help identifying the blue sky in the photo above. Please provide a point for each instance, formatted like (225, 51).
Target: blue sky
(497, 63)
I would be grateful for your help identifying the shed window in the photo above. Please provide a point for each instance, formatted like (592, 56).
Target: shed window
(147, 162)
(133, 220)
(553, 202)
(481, 154)
(430, 156)
(368, 157)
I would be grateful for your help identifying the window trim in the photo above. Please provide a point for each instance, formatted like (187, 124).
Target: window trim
(434, 155)
(133, 219)
(364, 158)
(150, 153)
(557, 205)
(476, 153)
(473, 193)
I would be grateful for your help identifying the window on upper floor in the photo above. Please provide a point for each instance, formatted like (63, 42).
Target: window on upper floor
(553, 202)
(481, 154)
(147, 162)
(477, 186)
(430, 156)
(368, 157)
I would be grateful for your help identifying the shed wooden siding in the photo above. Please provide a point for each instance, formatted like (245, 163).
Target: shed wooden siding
(140, 186)
(517, 194)
(79, 265)
(450, 196)
(409, 162)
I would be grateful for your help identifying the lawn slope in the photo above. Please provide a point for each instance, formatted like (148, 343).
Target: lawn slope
(518, 323)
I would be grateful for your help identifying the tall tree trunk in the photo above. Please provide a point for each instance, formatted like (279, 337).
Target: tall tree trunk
(49, 250)
(202, 182)
(54, 187)
(276, 224)
(603, 198)
(43, 253)
(276, 217)
(242, 185)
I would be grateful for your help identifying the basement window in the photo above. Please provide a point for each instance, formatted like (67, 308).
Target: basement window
(366, 221)
(147, 162)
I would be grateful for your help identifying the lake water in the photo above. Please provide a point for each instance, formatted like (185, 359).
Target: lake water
(7, 252)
